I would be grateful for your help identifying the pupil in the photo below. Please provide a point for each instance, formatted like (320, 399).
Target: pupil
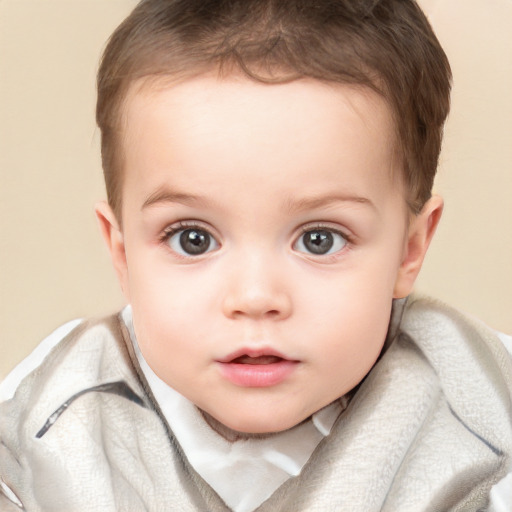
(318, 242)
(194, 241)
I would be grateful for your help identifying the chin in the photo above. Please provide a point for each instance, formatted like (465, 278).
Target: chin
(247, 425)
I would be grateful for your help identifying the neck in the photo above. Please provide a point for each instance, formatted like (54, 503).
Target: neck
(234, 435)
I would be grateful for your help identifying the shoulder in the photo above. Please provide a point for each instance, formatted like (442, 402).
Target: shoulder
(80, 423)
(433, 325)
(472, 365)
(458, 346)
(9, 385)
(79, 356)
(467, 433)
(75, 342)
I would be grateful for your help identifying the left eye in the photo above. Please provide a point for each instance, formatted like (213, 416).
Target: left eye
(320, 242)
(192, 242)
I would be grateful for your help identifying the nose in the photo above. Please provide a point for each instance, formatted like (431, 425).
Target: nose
(257, 290)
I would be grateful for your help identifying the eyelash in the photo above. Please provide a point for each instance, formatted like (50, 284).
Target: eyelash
(182, 225)
(325, 227)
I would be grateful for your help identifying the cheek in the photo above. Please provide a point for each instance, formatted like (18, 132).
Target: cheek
(168, 333)
(353, 341)
(170, 316)
(358, 316)
(350, 314)
(157, 284)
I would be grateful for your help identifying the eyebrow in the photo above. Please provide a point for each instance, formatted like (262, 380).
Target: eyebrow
(164, 195)
(310, 203)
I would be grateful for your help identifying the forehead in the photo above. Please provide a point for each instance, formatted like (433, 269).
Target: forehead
(210, 92)
(203, 128)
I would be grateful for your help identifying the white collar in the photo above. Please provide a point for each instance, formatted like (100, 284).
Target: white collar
(246, 472)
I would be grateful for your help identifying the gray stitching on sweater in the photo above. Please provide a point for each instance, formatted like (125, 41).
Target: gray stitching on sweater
(495, 450)
(119, 388)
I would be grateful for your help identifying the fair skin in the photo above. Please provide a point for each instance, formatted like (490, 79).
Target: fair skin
(264, 235)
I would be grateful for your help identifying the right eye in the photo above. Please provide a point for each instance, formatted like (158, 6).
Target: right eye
(191, 241)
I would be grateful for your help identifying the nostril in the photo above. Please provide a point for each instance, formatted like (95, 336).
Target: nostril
(256, 304)
(271, 314)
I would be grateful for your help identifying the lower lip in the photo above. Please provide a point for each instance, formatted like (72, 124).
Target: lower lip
(257, 375)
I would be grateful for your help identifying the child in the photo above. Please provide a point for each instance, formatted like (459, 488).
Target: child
(269, 166)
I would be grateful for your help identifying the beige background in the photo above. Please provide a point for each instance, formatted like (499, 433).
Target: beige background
(53, 266)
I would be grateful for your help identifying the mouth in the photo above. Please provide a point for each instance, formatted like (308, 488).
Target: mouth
(263, 355)
(256, 368)
(245, 359)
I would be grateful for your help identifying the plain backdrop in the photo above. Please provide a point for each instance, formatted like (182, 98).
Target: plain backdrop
(53, 266)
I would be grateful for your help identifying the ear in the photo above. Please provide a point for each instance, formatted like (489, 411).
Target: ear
(113, 236)
(421, 231)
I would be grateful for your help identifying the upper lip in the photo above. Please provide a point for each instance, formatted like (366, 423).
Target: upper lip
(253, 352)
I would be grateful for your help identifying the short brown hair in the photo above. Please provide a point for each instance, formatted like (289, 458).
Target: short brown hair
(387, 45)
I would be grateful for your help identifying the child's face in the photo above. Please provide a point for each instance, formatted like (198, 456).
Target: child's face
(264, 237)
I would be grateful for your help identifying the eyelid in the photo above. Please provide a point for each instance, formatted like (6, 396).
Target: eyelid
(182, 225)
(325, 226)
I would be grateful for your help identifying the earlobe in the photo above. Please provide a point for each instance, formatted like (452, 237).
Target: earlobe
(113, 236)
(421, 232)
